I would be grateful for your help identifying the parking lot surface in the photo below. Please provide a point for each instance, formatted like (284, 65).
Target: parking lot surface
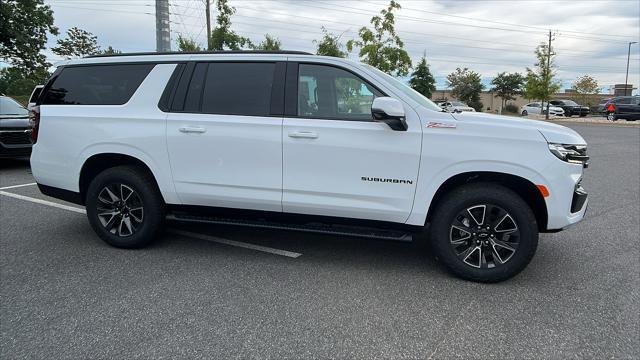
(202, 294)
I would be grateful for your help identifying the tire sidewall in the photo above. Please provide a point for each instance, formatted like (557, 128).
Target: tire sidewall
(153, 208)
(474, 195)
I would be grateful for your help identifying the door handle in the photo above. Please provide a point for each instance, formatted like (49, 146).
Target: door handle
(192, 129)
(303, 135)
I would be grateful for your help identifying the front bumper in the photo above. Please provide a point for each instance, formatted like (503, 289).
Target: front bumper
(15, 143)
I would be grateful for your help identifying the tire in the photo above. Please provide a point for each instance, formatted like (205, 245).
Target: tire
(612, 117)
(515, 228)
(583, 115)
(524, 113)
(134, 223)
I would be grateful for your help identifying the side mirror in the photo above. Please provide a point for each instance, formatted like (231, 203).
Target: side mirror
(390, 111)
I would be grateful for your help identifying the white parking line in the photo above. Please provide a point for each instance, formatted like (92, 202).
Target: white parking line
(235, 243)
(17, 186)
(172, 231)
(44, 202)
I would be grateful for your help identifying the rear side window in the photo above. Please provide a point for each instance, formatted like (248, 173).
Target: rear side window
(96, 85)
(238, 88)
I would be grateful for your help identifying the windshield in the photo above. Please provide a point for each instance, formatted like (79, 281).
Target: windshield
(405, 89)
(8, 106)
(570, 102)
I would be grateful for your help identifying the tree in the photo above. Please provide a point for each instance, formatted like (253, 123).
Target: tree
(329, 45)
(507, 86)
(110, 51)
(382, 47)
(23, 33)
(422, 80)
(14, 81)
(584, 86)
(540, 83)
(269, 43)
(78, 43)
(222, 36)
(188, 45)
(466, 86)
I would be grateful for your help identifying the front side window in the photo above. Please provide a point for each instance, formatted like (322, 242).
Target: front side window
(332, 93)
(96, 84)
(238, 88)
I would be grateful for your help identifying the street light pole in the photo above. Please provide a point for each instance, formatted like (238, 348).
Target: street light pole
(626, 78)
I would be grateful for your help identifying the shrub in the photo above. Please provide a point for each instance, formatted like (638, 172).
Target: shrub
(510, 108)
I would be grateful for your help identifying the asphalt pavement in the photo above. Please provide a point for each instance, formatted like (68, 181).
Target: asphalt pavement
(66, 294)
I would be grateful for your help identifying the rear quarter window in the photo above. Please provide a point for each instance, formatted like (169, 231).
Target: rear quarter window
(96, 84)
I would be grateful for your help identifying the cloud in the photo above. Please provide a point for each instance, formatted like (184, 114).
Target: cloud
(462, 33)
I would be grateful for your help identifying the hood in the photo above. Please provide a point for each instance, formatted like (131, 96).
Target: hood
(553, 133)
(14, 121)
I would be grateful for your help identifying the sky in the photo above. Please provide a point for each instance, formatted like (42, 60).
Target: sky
(486, 36)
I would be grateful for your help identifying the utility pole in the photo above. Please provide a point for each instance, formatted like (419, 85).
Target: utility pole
(547, 75)
(626, 78)
(163, 31)
(208, 10)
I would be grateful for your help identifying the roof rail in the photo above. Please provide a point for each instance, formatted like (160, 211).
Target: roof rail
(291, 52)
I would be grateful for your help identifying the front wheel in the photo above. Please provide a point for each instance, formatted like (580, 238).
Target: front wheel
(124, 207)
(484, 232)
(611, 117)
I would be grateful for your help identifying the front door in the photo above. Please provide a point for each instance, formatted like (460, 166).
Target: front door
(225, 141)
(336, 160)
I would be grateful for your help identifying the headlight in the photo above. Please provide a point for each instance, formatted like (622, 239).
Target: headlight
(575, 154)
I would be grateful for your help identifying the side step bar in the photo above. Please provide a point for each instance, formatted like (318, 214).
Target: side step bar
(341, 230)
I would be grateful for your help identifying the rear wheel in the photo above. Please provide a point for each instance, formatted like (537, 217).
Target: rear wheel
(124, 207)
(524, 113)
(484, 232)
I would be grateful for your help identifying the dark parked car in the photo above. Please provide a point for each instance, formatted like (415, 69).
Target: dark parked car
(622, 107)
(571, 107)
(15, 130)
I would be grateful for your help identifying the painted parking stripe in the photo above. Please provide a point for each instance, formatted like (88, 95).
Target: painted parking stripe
(235, 243)
(172, 231)
(44, 202)
(17, 186)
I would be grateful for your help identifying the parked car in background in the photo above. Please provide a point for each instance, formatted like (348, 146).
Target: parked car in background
(622, 107)
(571, 108)
(456, 106)
(15, 130)
(537, 108)
(34, 96)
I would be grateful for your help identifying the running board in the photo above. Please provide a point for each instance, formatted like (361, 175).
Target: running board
(341, 230)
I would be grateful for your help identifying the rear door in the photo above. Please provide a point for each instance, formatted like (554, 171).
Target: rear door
(224, 134)
(337, 160)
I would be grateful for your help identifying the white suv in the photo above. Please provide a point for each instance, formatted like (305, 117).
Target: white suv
(296, 141)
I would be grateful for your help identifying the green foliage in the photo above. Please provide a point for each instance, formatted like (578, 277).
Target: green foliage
(584, 86)
(269, 43)
(510, 108)
(540, 83)
(466, 86)
(78, 43)
(507, 86)
(329, 45)
(24, 25)
(382, 47)
(422, 80)
(188, 45)
(110, 51)
(222, 37)
(18, 82)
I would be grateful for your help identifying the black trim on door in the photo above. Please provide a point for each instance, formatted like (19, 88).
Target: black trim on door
(278, 89)
(170, 89)
(177, 102)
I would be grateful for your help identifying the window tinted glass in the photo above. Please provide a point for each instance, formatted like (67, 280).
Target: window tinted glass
(96, 85)
(238, 88)
(194, 93)
(9, 106)
(35, 94)
(329, 92)
(624, 101)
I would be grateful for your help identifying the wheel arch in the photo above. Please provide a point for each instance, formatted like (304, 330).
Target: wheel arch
(97, 163)
(521, 186)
